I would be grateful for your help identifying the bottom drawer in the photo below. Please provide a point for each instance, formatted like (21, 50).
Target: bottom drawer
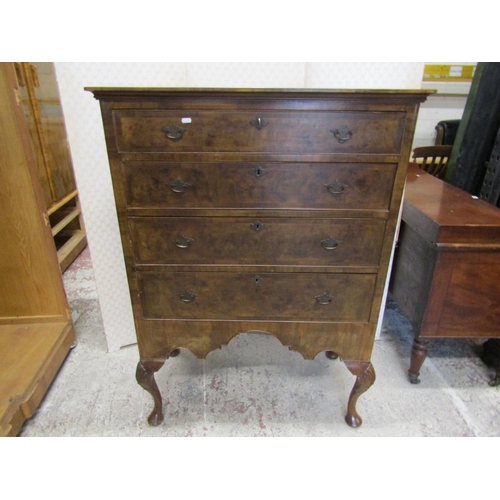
(266, 296)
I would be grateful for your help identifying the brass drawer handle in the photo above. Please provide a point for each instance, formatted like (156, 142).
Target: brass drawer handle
(178, 186)
(336, 187)
(183, 242)
(187, 296)
(173, 132)
(259, 123)
(330, 243)
(324, 299)
(342, 134)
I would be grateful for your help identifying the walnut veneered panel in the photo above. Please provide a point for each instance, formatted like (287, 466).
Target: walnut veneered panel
(258, 131)
(247, 296)
(349, 340)
(247, 241)
(258, 185)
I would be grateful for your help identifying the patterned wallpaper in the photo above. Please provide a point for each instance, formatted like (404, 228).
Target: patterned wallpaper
(86, 139)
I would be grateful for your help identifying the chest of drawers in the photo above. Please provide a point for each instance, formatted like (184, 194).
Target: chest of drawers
(257, 210)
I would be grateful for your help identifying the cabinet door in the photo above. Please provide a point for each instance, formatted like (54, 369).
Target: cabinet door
(40, 97)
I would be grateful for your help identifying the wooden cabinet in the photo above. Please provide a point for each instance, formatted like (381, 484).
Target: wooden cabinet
(257, 210)
(36, 329)
(39, 94)
(447, 267)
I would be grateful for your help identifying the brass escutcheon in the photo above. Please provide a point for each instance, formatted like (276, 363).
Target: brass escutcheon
(257, 280)
(259, 123)
(257, 226)
(258, 171)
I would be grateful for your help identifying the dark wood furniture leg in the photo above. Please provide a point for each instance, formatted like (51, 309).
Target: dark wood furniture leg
(365, 376)
(491, 357)
(145, 375)
(418, 355)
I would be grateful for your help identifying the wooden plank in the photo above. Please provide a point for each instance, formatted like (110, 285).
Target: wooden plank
(62, 224)
(56, 206)
(71, 249)
(19, 320)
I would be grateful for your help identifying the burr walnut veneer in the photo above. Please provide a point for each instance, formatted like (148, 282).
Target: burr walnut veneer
(257, 210)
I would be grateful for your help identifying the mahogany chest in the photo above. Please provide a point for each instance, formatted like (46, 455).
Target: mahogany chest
(446, 269)
(257, 210)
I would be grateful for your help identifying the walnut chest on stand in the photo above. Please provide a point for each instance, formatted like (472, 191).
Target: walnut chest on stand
(257, 210)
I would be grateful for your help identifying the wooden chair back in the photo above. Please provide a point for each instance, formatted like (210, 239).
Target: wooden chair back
(433, 159)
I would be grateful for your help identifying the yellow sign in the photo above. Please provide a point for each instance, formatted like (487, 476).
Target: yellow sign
(449, 72)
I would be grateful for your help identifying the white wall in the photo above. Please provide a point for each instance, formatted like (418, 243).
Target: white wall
(86, 138)
(448, 104)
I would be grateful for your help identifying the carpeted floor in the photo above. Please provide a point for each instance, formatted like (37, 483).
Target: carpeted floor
(256, 387)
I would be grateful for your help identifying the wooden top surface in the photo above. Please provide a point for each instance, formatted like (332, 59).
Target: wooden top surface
(443, 213)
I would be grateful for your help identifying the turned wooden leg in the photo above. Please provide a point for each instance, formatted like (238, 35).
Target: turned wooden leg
(491, 357)
(495, 380)
(365, 376)
(145, 375)
(418, 355)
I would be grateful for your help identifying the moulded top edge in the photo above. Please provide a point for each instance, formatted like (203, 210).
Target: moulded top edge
(136, 92)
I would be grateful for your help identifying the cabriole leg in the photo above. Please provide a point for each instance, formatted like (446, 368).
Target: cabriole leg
(145, 375)
(365, 377)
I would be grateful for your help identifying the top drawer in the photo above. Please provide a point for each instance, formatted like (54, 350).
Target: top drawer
(297, 132)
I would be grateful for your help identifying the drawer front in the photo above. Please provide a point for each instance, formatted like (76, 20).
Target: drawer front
(221, 131)
(264, 185)
(245, 296)
(268, 241)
